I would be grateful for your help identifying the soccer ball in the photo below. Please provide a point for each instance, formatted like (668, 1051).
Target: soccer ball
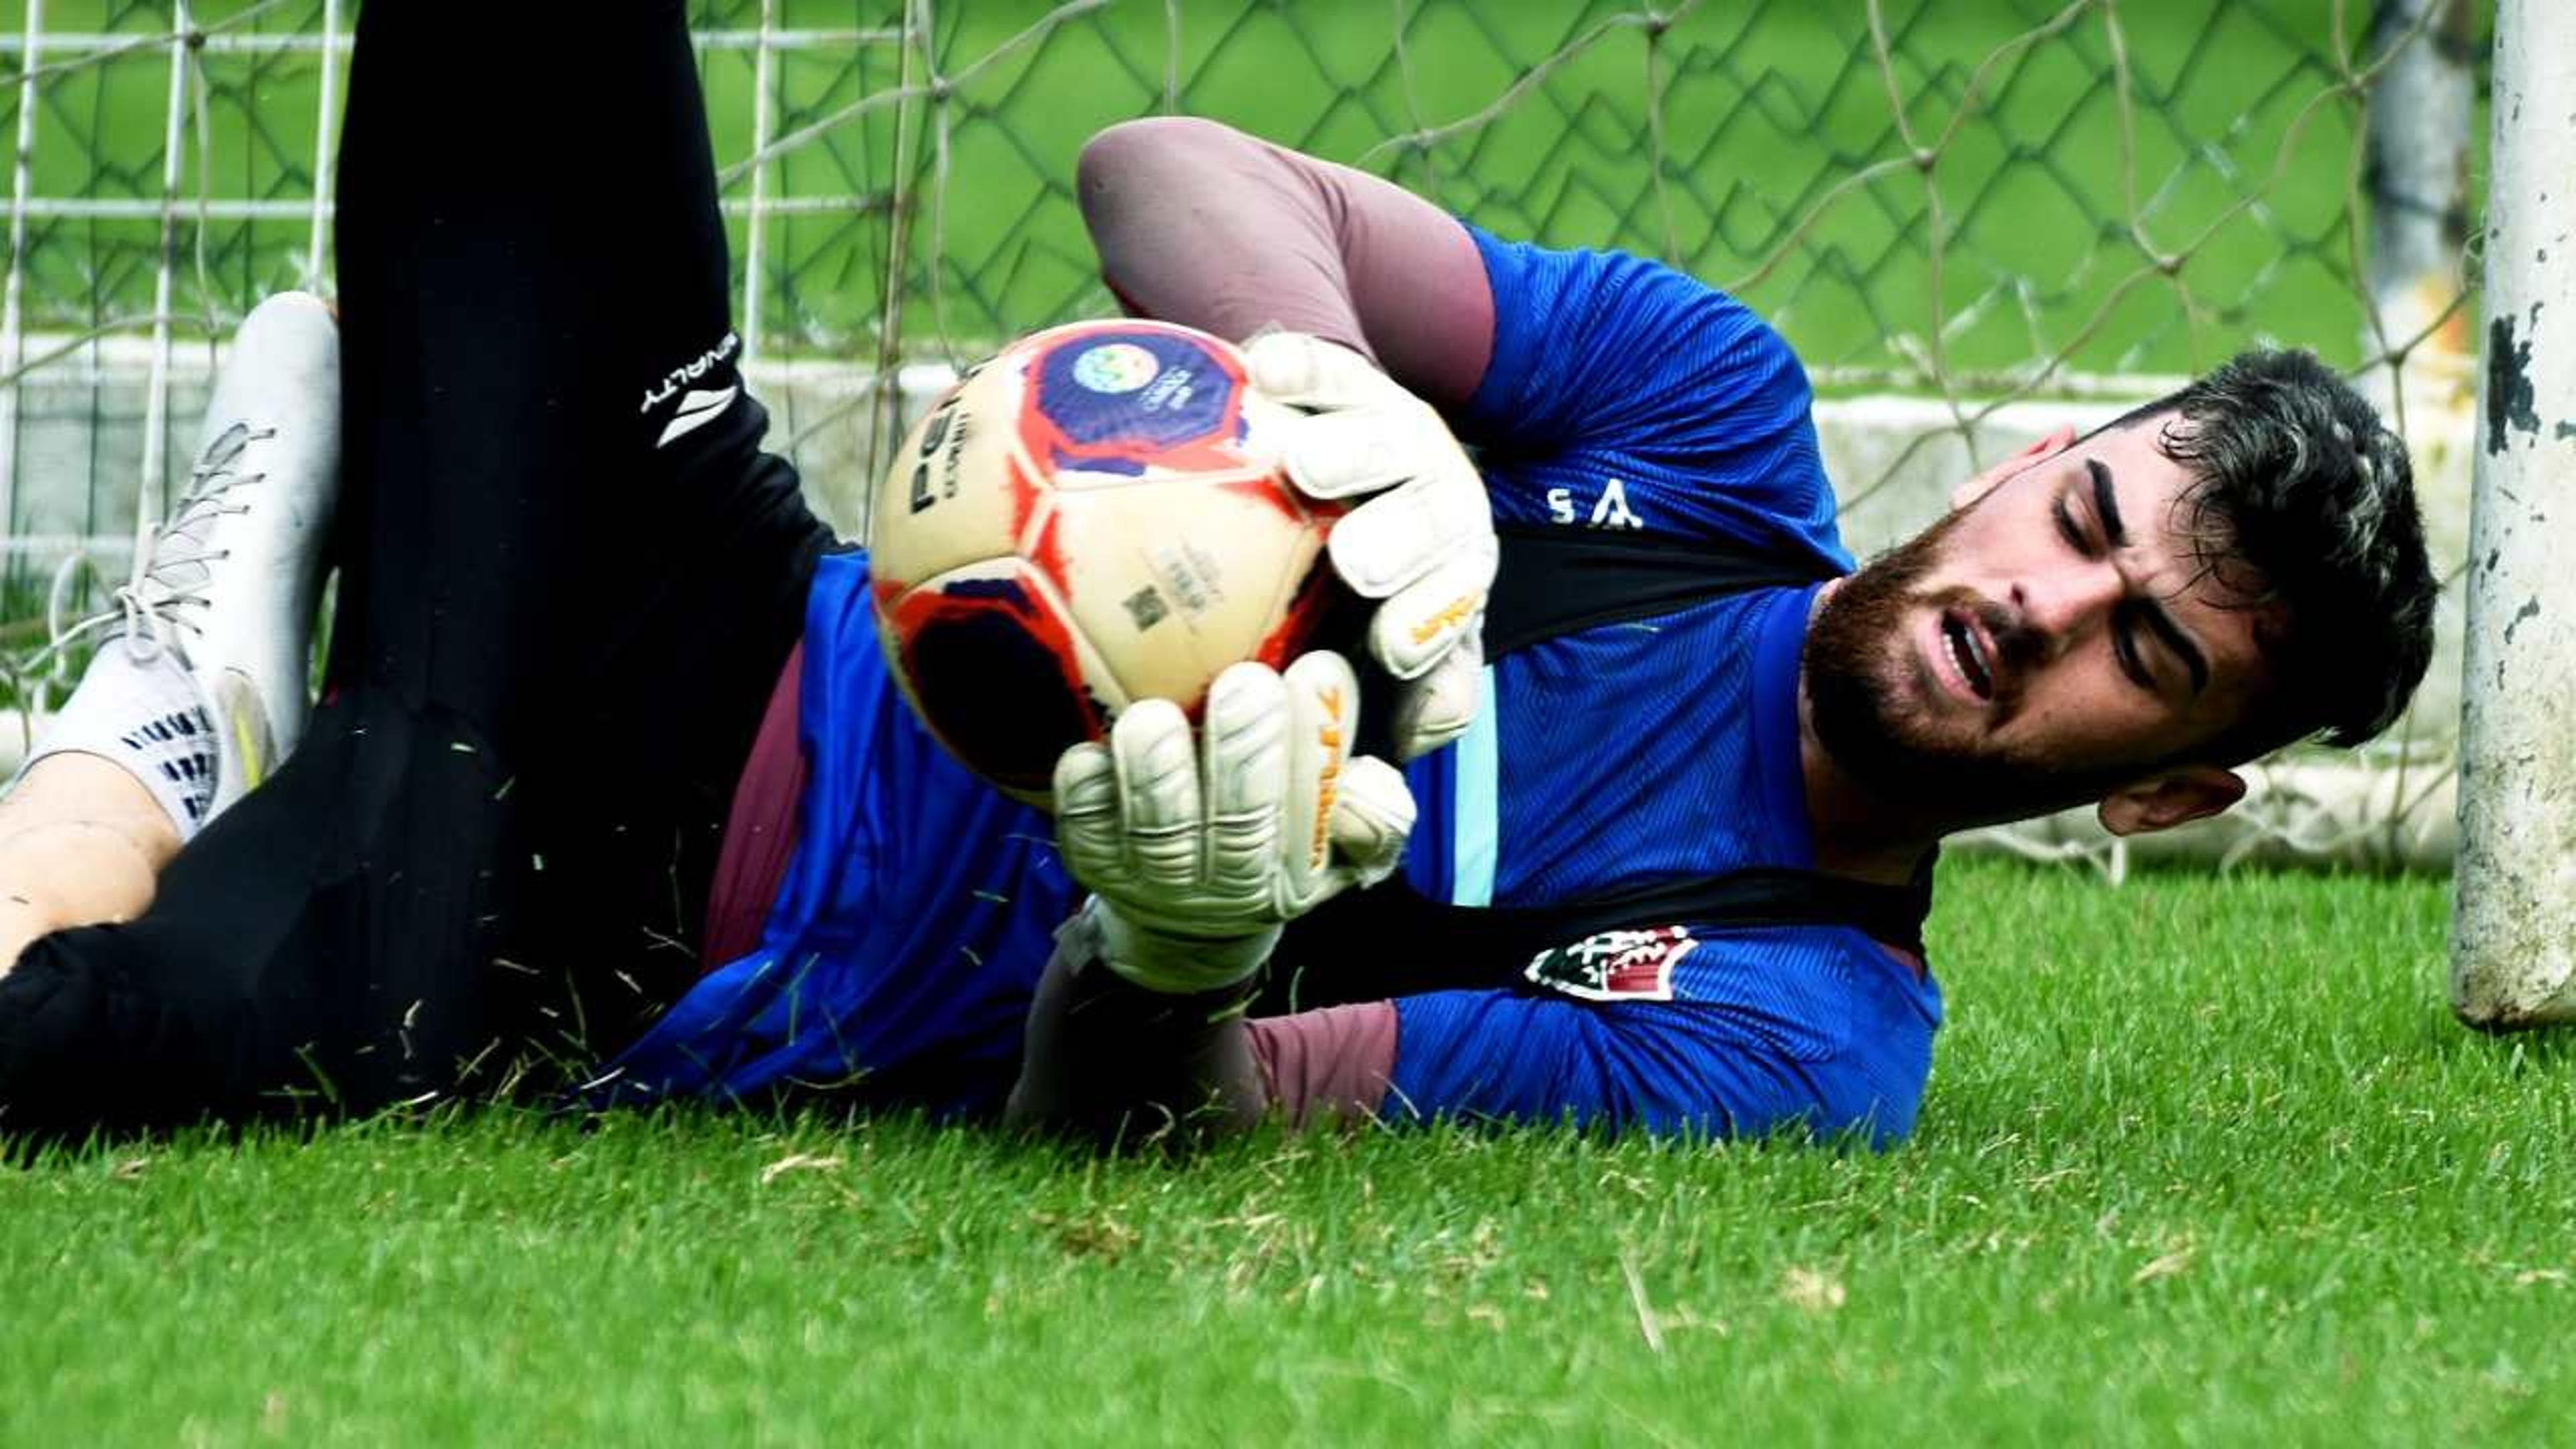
(1097, 515)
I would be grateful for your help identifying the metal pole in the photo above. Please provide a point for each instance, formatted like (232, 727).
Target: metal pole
(885, 411)
(13, 340)
(2513, 935)
(2421, 113)
(150, 499)
(755, 231)
(317, 256)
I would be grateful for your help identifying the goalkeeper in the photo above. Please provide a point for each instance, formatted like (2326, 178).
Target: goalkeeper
(602, 694)
(1691, 824)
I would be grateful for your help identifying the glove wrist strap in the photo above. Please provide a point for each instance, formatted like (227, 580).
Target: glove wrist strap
(1175, 964)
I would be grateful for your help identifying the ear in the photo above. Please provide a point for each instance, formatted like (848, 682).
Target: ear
(2176, 797)
(1984, 483)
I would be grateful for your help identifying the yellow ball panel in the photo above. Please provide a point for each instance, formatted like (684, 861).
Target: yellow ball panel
(1171, 580)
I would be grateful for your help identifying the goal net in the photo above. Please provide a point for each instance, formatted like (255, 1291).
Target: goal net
(1974, 222)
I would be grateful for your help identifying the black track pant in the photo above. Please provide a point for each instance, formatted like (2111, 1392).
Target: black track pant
(569, 578)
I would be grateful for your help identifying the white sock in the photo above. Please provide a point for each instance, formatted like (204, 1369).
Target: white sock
(145, 714)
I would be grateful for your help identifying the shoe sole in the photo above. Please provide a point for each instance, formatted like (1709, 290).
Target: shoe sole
(249, 747)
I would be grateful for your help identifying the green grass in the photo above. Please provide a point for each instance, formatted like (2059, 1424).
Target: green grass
(2204, 1161)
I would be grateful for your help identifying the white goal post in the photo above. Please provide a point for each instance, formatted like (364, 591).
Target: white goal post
(2513, 945)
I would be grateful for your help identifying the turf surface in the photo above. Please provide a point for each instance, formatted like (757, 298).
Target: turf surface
(2204, 1161)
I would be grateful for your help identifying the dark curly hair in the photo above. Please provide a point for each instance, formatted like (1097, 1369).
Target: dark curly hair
(2301, 497)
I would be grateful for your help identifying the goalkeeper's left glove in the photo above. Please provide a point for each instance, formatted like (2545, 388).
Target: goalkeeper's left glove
(1421, 542)
(1198, 852)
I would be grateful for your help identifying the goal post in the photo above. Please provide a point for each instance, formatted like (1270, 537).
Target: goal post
(2513, 940)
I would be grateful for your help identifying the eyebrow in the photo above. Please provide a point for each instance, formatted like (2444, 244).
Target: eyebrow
(2106, 505)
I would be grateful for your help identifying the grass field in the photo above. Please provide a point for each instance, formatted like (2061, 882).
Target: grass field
(2204, 1162)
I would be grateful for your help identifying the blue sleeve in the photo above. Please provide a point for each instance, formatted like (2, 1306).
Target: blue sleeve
(1609, 364)
(1841, 1055)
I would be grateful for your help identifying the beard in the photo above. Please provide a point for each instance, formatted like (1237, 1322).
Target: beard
(1865, 684)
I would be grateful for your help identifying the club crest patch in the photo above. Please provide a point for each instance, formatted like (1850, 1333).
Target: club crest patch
(1614, 965)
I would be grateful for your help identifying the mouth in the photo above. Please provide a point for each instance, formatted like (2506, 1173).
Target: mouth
(1970, 653)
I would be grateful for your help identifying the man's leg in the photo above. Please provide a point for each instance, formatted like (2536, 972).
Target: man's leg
(80, 843)
(187, 705)
(607, 574)
(569, 579)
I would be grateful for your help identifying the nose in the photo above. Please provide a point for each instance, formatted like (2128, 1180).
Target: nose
(2060, 604)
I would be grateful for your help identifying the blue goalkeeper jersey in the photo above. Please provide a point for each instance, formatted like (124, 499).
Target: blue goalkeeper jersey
(1623, 395)
(916, 915)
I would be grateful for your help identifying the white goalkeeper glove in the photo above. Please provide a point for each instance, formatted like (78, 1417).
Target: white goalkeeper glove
(1421, 544)
(1197, 852)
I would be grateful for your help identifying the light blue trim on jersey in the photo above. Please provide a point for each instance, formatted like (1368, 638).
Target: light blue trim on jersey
(1475, 827)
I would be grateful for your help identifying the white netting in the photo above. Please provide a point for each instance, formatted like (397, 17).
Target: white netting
(1971, 219)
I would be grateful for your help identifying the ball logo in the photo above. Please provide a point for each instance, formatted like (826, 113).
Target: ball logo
(1107, 401)
(1115, 367)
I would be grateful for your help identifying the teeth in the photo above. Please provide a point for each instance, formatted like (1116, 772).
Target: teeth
(1963, 649)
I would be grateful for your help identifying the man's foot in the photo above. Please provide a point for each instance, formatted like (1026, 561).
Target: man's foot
(200, 691)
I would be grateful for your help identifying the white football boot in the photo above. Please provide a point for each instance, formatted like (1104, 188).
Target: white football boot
(233, 575)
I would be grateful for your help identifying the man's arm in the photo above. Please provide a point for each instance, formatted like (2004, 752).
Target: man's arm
(1203, 225)
(1377, 313)
(1614, 364)
(1198, 845)
(1783, 1032)
(1114, 1062)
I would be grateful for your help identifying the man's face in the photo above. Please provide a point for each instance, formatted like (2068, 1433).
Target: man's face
(2050, 641)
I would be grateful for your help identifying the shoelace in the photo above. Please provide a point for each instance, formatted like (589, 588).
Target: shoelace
(172, 573)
